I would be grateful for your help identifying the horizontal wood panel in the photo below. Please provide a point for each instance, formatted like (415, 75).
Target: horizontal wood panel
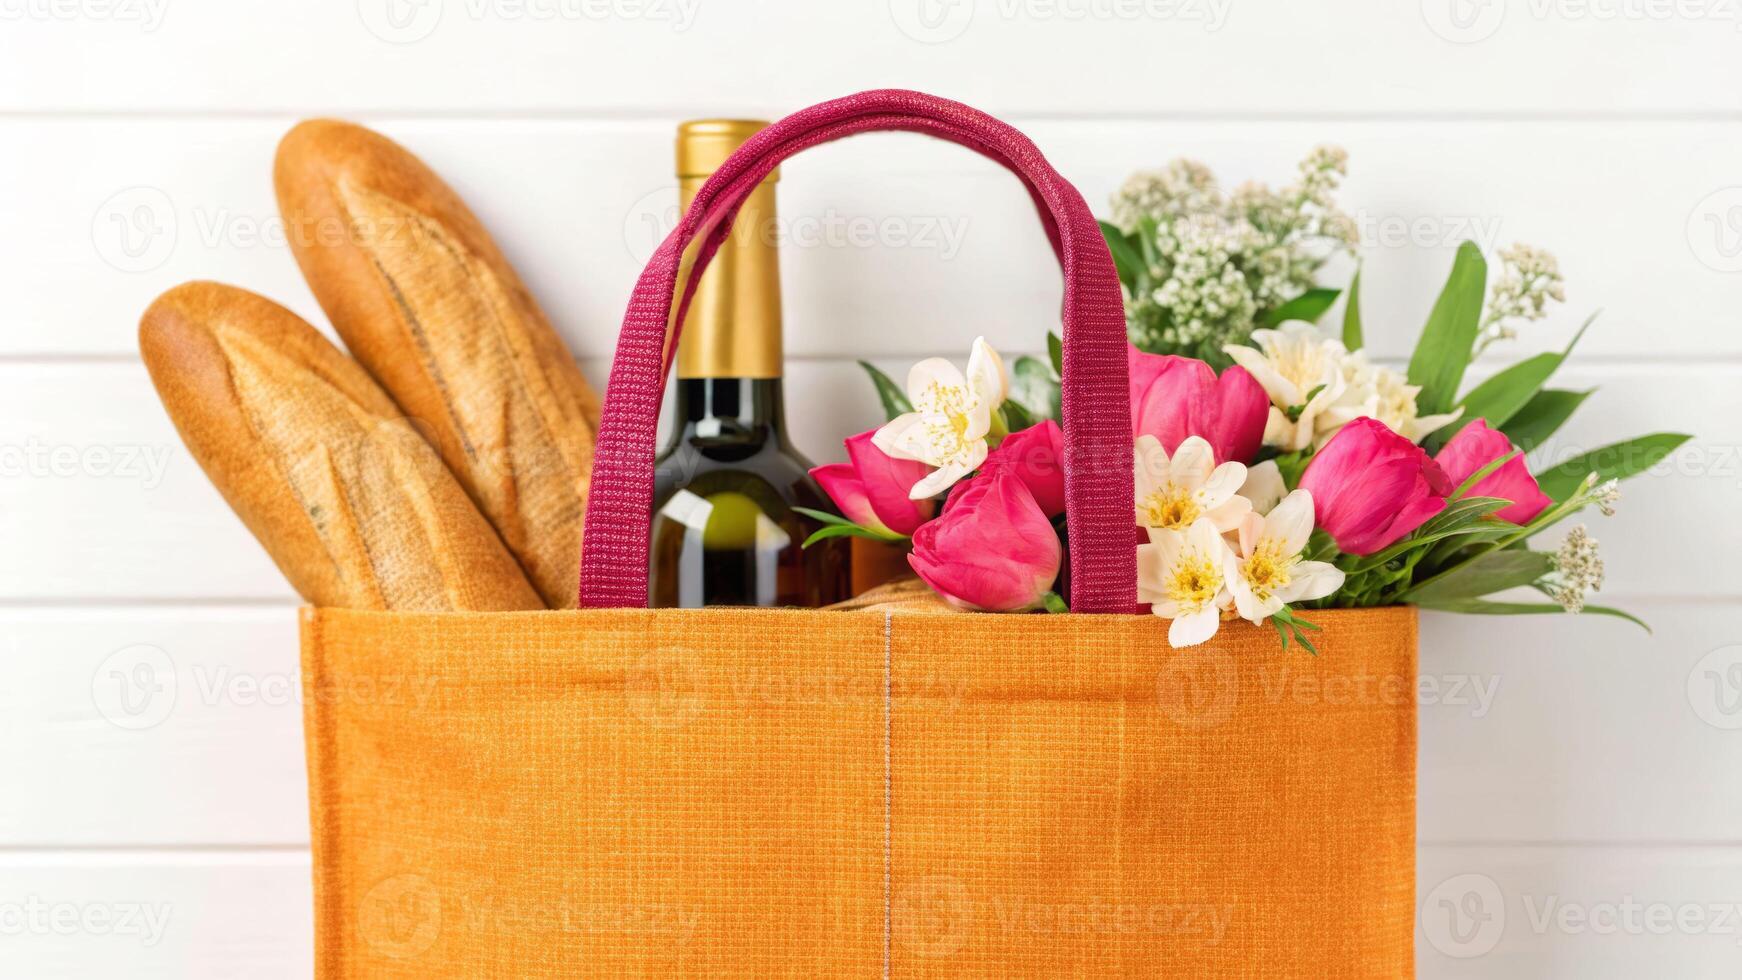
(937, 244)
(732, 56)
(156, 916)
(1527, 913)
(96, 488)
(1576, 913)
(188, 720)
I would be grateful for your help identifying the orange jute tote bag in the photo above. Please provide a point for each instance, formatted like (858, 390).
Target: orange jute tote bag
(882, 792)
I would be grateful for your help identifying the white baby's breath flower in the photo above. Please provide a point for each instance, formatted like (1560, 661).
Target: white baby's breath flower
(1528, 279)
(1215, 262)
(1183, 576)
(1578, 570)
(1606, 495)
(1267, 571)
(951, 417)
(1174, 492)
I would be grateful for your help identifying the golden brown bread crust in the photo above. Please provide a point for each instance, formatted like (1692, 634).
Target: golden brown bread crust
(353, 505)
(425, 300)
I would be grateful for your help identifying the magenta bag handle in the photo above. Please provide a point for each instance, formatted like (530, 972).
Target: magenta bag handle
(1097, 414)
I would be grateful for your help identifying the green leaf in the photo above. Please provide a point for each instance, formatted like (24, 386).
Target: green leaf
(845, 531)
(1613, 462)
(1443, 352)
(1484, 607)
(1487, 573)
(1308, 306)
(1016, 418)
(1542, 416)
(835, 526)
(822, 516)
(1505, 394)
(1054, 602)
(1126, 258)
(1055, 351)
(1034, 387)
(1352, 314)
(894, 399)
(1501, 396)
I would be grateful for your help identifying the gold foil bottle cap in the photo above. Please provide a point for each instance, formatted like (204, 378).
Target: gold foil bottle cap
(733, 329)
(704, 144)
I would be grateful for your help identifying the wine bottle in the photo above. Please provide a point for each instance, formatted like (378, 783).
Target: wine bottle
(724, 528)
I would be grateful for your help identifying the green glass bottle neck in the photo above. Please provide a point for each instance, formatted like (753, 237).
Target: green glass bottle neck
(730, 410)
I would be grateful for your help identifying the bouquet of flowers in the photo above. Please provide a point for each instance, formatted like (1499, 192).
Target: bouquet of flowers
(1302, 476)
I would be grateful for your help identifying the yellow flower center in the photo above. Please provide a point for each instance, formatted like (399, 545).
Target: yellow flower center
(1301, 364)
(1195, 581)
(1268, 569)
(1171, 506)
(951, 403)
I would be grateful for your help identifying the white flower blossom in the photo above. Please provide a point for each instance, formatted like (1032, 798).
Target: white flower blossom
(1183, 576)
(1174, 492)
(1267, 570)
(1316, 387)
(951, 417)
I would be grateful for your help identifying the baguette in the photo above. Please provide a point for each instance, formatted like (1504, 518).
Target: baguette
(425, 300)
(348, 499)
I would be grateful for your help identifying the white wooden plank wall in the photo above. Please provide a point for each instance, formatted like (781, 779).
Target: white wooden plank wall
(1580, 812)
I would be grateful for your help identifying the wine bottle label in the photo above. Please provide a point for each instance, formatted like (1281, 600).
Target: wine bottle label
(732, 329)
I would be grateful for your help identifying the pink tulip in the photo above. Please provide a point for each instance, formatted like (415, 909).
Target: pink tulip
(1371, 486)
(1175, 397)
(872, 489)
(1474, 447)
(993, 548)
(1036, 456)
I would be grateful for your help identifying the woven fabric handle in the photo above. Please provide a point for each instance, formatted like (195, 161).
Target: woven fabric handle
(1097, 416)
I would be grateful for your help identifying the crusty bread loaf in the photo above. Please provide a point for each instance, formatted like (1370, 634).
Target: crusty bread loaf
(425, 300)
(350, 501)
